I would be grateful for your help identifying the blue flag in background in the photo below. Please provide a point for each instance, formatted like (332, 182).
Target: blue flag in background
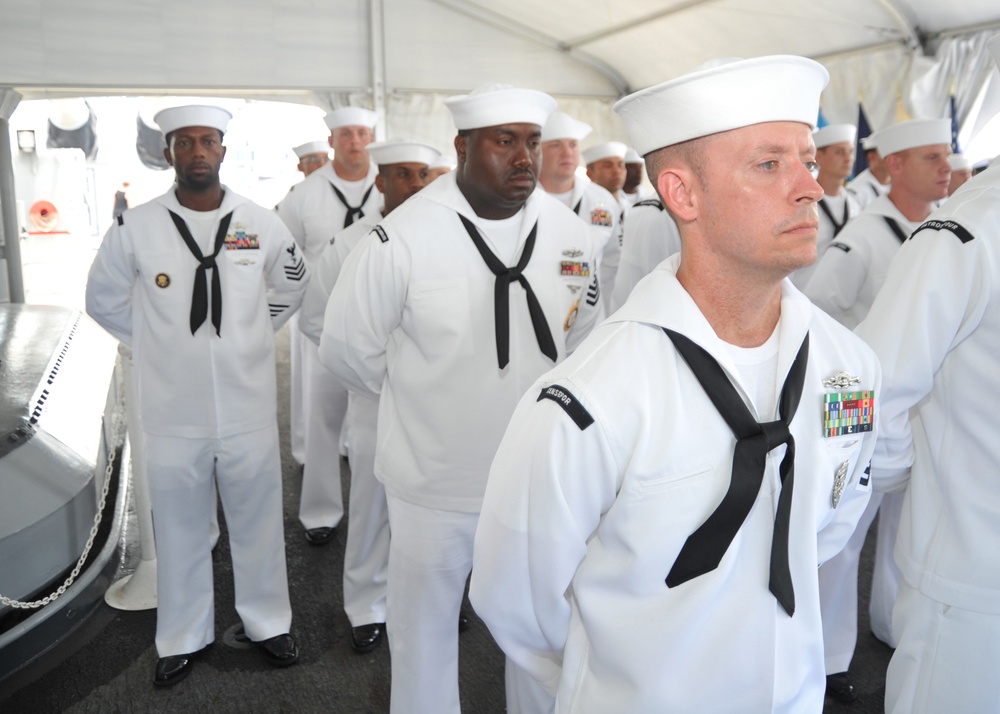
(860, 160)
(821, 120)
(954, 126)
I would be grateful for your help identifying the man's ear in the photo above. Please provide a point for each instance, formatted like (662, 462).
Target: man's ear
(675, 188)
(894, 164)
(379, 183)
(460, 148)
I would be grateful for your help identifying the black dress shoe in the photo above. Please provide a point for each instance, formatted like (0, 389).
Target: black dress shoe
(172, 669)
(463, 621)
(365, 638)
(319, 536)
(840, 687)
(279, 651)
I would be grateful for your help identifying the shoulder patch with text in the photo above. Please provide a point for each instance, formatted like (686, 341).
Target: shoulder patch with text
(653, 202)
(570, 404)
(380, 232)
(960, 232)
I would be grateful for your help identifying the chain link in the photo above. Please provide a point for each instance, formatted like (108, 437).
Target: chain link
(117, 438)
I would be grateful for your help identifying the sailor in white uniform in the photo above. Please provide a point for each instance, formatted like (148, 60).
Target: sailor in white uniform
(845, 284)
(404, 169)
(606, 168)
(873, 181)
(633, 190)
(849, 275)
(203, 347)
(312, 155)
(640, 548)
(936, 330)
(961, 171)
(449, 310)
(327, 202)
(650, 237)
(561, 137)
(835, 159)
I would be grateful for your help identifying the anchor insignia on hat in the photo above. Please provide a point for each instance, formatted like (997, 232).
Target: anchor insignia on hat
(841, 380)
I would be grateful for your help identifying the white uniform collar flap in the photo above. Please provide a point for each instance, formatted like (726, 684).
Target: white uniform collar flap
(659, 299)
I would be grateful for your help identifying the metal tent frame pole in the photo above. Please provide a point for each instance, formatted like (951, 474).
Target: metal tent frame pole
(10, 248)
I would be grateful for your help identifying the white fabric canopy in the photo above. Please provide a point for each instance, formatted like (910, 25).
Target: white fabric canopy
(406, 55)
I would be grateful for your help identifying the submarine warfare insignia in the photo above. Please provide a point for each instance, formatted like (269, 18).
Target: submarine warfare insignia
(841, 380)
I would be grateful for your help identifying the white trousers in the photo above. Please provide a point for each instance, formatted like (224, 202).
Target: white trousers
(366, 555)
(298, 396)
(183, 474)
(838, 584)
(946, 661)
(885, 579)
(524, 694)
(322, 502)
(430, 558)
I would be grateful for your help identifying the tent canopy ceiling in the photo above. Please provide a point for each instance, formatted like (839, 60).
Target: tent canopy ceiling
(592, 48)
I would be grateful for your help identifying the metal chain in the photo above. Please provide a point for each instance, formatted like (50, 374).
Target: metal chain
(117, 438)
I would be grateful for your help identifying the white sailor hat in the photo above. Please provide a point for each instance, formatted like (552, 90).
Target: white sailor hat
(401, 151)
(959, 162)
(730, 94)
(350, 116)
(69, 114)
(312, 147)
(174, 118)
(993, 45)
(913, 133)
(868, 143)
(834, 134)
(562, 126)
(444, 161)
(495, 104)
(607, 150)
(632, 156)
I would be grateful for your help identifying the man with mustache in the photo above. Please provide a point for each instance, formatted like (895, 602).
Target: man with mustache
(203, 347)
(452, 306)
(657, 510)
